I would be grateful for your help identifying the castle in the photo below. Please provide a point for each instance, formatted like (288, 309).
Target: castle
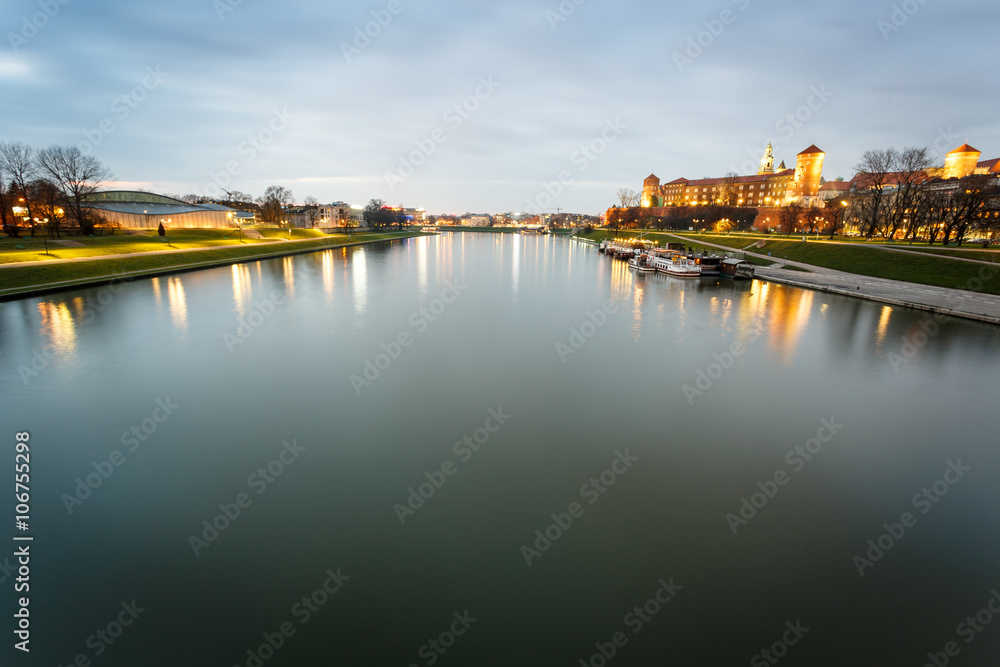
(766, 188)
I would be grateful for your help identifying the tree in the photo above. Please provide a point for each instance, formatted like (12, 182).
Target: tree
(834, 214)
(871, 206)
(375, 214)
(5, 203)
(160, 231)
(273, 203)
(788, 217)
(312, 210)
(909, 171)
(966, 204)
(77, 176)
(18, 160)
(728, 196)
(627, 198)
(47, 201)
(614, 220)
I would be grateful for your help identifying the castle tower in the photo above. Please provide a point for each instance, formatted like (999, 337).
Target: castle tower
(961, 162)
(767, 162)
(808, 173)
(651, 192)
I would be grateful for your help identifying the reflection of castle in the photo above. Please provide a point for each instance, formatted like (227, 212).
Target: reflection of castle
(766, 188)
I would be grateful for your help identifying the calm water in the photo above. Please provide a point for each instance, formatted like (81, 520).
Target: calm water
(540, 379)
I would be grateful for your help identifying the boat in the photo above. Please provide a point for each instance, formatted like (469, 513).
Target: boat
(737, 269)
(677, 265)
(710, 264)
(641, 263)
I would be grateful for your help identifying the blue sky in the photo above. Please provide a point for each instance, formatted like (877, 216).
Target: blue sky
(595, 95)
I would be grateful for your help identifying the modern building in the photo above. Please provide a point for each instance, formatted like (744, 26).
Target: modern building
(144, 210)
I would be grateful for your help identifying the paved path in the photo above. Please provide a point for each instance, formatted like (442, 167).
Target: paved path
(955, 302)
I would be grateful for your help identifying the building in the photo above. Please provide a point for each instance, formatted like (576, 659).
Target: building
(144, 210)
(768, 187)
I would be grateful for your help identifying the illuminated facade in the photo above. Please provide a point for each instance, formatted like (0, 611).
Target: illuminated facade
(766, 188)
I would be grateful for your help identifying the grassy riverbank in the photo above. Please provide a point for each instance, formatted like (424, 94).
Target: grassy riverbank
(869, 260)
(19, 280)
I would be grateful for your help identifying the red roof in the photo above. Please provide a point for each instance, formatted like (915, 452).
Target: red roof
(836, 185)
(678, 181)
(652, 177)
(812, 150)
(992, 166)
(965, 148)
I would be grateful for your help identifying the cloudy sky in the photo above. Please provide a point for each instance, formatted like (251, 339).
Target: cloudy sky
(460, 106)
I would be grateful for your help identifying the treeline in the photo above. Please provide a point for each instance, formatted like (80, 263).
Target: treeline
(898, 194)
(47, 187)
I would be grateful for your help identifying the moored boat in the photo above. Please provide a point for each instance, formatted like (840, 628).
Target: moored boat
(641, 263)
(677, 266)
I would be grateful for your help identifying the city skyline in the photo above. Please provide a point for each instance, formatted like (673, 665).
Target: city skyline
(455, 108)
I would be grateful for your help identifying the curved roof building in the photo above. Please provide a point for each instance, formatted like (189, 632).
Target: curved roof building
(145, 210)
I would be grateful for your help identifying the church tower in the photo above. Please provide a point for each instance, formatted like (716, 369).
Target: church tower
(767, 162)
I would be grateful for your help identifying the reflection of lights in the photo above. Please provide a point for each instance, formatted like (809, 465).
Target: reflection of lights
(242, 288)
(288, 264)
(58, 326)
(515, 277)
(156, 291)
(327, 267)
(359, 279)
(178, 303)
(422, 265)
(883, 327)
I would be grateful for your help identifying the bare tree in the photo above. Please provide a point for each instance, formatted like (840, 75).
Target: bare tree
(312, 210)
(614, 220)
(727, 190)
(909, 168)
(627, 198)
(871, 205)
(5, 203)
(77, 176)
(789, 215)
(835, 213)
(965, 205)
(273, 203)
(18, 160)
(48, 202)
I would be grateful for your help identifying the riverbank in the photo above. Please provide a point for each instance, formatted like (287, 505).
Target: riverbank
(967, 301)
(42, 277)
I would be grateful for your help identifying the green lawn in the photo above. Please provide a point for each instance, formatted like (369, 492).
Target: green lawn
(14, 278)
(870, 260)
